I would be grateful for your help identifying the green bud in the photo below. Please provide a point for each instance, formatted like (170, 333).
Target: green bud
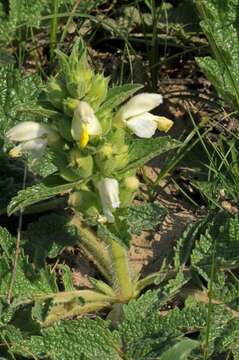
(78, 83)
(128, 188)
(116, 162)
(131, 183)
(70, 105)
(82, 164)
(79, 73)
(98, 91)
(105, 152)
(55, 92)
(85, 201)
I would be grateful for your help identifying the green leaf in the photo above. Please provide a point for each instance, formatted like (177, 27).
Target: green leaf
(37, 193)
(180, 350)
(228, 340)
(28, 281)
(16, 92)
(48, 237)
(183, 248)
(118, 94)
(119, 231)
(11, 179)
(44, 166)
(143, 217)
(222, 237)
(6, 58)
(219, 24)
(72, 340)
(143, 150)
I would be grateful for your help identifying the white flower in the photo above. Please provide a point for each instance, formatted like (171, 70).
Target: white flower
(135, 114)
(109, 195)
(33, 138)
(84, 124)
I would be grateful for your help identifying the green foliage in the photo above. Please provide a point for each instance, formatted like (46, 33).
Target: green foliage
(48, 237)
(181, 350)
(24, 14)
(219, 24)
(118, 94)
(185, 244)
(143, 217)
(132, 220)
(28, 282)
(11, 179)
(162, 324)
(72, 340)
(143, 150)
(222, 239)
(37, 193)
(16, 93)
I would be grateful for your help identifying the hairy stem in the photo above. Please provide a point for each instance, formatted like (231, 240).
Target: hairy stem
(54, 25)
(93, 248)
(120, 271)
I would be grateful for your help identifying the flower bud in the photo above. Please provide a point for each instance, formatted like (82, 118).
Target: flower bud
(85, 202)
(55, 93)
(79, 74)
(70, 105)
(128, 188)
(98, 91)
(105, 152)
(82, 164)
(108, 166)
(132, 183)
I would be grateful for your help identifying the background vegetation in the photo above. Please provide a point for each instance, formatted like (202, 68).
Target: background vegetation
(184, 219)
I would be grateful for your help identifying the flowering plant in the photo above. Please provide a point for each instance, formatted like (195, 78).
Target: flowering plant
(91, 138)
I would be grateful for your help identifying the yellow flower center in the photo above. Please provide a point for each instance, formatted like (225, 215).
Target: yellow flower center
(15, 152)
(84, 138)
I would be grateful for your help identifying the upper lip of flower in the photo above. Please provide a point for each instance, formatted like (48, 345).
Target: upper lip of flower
(26, 130)
(84, 123)
(109, 195)
(136, 116)
(31, 136)
(139, 104)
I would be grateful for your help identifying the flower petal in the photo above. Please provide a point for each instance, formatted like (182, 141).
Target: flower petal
(109, 195)
(139, 104)
(84, 114)
(164, 124)
(144, 125)
(34, 147)
(25, 131)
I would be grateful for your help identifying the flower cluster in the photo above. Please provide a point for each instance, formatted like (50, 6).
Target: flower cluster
(89, 134)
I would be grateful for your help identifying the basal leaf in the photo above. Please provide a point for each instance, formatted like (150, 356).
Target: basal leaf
(48, 237)
(28, 281)
(180, 350)
(222, 237)
(72, 340)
